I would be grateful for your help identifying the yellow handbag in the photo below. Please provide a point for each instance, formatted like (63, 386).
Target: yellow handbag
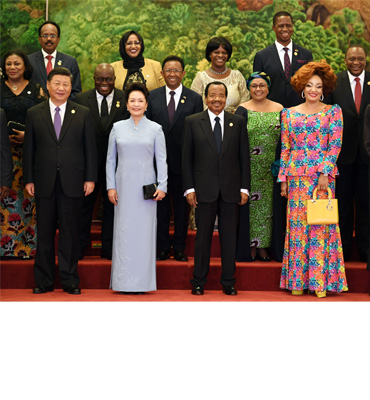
(322, 211)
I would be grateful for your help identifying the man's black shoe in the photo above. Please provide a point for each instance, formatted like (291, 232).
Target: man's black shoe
(180, 256)
(163, 255)
(198, 291)
(72, 290)
(42, 289)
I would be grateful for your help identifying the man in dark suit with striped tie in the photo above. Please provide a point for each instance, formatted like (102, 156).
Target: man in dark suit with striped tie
(169, 106)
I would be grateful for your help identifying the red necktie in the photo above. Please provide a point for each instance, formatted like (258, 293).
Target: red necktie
(358, 95)
(49, 65)
(286, 63)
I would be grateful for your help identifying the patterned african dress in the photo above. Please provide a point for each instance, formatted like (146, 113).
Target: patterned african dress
(18, 211)
(263, 133)
(313, 254)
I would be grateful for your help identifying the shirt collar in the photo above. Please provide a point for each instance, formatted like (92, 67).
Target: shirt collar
(44, 53)
(352, 77)
(280, 47)
(100, 96)
(177, 91)
(212, 116)
(53, 106)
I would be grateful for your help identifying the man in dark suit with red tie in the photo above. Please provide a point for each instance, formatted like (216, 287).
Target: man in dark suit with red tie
(44, 60)
(169, 106)
(107, 106)
(59, 168)
(216, 175)
(352, 187)
(281, 60)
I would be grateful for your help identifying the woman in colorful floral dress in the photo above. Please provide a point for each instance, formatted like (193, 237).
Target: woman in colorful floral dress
(311, 142)
(262, 118)
(18, 211)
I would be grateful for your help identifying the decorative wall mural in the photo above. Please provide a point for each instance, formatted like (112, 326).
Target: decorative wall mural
(91, 29)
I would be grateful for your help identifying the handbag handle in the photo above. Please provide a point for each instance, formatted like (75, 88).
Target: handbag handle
(330, 194)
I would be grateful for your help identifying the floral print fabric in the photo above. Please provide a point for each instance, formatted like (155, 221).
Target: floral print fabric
(313, 254)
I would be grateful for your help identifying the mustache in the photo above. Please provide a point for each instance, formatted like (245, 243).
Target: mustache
(49, 42)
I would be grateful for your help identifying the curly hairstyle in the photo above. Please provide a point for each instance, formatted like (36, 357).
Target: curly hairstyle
(137, 87)
(319, 68)
(28, 69)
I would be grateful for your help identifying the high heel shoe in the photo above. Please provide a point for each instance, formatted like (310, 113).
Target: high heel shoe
(320, 294)
(297, 292)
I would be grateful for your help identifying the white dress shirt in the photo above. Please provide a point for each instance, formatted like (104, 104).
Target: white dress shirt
(212, 117)
(62, 111)
(352, 82)
(281, 51)
(54, 54)
(99, 99)
(176, 96)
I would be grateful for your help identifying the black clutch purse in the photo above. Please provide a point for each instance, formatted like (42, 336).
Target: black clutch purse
(149, 191)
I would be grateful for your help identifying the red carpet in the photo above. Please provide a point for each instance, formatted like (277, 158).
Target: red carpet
(175, 295)
(255, 281)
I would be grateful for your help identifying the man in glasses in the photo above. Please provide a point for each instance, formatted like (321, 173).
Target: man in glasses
(107, 106)
(168, 106)
(48, 58)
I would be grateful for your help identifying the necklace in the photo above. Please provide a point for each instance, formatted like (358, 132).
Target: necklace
(218, 73)
(15, 88)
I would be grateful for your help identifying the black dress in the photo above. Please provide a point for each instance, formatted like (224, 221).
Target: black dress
(18, 211)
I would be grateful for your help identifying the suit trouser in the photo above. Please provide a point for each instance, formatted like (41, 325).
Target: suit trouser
(175, 195)
(352, 191)
(66, 211)
(108, 216)
(205, 215)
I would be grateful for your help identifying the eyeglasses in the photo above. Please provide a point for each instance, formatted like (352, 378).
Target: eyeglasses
(101, 80)
(214, 96)
(175, 71)
(261, 85)
(45, 36)
(137, 43)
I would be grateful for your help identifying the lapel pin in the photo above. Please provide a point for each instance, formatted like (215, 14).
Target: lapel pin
(29, 92)
(60, 62)
(368, 83)
(118, 104)
(296, 53)
(231, 124)
(182, 101)
(73, 111)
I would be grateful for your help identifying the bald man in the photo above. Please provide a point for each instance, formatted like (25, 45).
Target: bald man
(107, 106)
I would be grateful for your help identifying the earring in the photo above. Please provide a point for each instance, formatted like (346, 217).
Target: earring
(322, 97)
(302, 95)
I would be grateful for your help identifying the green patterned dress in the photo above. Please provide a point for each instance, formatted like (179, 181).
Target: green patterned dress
(264, 134)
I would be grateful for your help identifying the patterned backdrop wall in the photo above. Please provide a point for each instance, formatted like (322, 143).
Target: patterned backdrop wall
(91, 29)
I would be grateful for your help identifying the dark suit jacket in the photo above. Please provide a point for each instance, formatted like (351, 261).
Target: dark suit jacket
(367, 130)
(6, 162)
(353, 123)
(190, 103)
(209, 172)
(73, 155)
(62, 60)
(118, 112)
(268, 60)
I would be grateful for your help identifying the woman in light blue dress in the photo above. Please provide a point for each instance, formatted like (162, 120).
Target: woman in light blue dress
(134, 144)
